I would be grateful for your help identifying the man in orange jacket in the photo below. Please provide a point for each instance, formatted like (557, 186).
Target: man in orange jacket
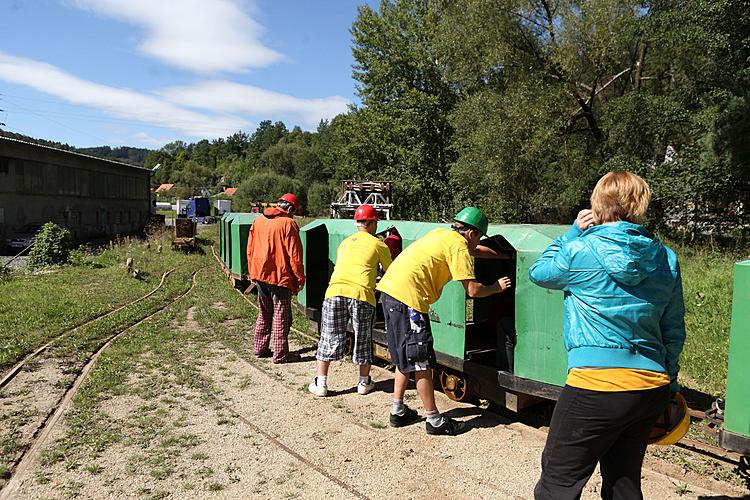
(274, 259)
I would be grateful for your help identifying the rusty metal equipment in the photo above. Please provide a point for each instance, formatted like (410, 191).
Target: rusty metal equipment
(355, 193)
(184, 234)
(455, 385)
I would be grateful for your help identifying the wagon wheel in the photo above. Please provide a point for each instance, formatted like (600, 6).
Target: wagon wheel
(455, 386)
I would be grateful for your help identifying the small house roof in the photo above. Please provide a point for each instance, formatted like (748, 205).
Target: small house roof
(164, 187)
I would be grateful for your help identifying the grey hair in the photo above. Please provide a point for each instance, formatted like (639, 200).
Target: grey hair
(286, 205)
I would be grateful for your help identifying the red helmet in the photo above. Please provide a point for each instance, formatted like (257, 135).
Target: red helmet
(365, 212)
(293, 200)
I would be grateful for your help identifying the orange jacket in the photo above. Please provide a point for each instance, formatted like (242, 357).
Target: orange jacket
(274, 250)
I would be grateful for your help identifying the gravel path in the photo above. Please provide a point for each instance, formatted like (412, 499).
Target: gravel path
(260, 434)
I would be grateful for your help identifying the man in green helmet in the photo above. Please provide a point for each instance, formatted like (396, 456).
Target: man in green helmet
(413, 282)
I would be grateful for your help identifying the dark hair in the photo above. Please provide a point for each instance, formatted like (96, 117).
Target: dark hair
(461, 228)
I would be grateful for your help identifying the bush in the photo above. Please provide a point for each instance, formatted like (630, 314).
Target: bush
(51, 247)
(77, 257)
(265, 187)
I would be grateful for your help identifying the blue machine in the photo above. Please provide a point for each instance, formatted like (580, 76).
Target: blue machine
(199, 209)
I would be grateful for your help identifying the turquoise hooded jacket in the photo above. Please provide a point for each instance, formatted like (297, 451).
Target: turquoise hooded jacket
(623, 298)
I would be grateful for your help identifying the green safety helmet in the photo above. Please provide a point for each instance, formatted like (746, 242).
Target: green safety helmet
(472, 216)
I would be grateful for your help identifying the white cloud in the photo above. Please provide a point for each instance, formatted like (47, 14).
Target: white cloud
(199, 35)
(144, 138)
(120, 102)
(233, 97)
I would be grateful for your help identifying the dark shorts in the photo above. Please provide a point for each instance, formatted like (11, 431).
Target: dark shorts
(274, 292)
(409, 336)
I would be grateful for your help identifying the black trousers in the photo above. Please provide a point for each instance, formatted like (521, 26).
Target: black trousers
(610, 428)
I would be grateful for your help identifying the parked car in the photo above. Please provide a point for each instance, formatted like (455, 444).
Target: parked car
(25, 237)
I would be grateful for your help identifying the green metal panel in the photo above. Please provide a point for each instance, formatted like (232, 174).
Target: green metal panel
(222, 244)
(227, 223)
(539, 353)
(239, 228)
(737, 411)
(221, 238)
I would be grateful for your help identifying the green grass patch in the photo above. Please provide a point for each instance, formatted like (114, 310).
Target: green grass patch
(38, 307)
(707, 283)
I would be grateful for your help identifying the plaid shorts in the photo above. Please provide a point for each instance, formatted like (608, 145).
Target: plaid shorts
(336, 314)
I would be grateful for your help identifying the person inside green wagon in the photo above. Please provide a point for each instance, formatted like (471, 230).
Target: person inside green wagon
(414, 281)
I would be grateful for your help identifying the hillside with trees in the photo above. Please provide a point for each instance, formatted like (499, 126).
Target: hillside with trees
(125, 154)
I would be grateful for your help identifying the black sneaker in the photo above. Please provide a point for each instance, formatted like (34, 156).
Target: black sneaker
(291, 357)
(449, 427)
(409, 417)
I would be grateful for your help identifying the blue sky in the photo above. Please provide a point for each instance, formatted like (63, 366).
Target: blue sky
(147, 72)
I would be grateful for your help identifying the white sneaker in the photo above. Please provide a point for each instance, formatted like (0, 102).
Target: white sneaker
(318, 390)
(365, 387)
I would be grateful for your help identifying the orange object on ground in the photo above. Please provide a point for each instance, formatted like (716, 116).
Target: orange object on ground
(274, 250)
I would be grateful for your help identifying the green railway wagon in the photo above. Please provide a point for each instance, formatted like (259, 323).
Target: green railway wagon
(735, 433)
(507, 347)
(225, 240)
(237, 233)
(222, 238)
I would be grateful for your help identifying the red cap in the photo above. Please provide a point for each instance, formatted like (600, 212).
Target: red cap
(365, 212)
(293, 200)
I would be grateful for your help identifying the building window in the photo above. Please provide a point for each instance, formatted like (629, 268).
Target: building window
(4, 166)
(75, 219)
(20, 177)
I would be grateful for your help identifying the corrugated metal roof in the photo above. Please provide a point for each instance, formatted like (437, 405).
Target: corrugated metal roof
(121, 164)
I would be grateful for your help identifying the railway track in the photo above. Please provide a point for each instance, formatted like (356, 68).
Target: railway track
(41, 435)
(699, 447)
(245, 297)
(10, 374)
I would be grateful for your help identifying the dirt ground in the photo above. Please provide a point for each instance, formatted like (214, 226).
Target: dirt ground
(258, 433)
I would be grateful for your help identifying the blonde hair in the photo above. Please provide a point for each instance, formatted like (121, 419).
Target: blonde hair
(620, 196)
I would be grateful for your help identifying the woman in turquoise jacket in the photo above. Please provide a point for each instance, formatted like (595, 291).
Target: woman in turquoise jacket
(624, 331)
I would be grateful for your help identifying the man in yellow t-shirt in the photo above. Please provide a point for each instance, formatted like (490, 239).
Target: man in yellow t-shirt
(416, 280)
(350, 295)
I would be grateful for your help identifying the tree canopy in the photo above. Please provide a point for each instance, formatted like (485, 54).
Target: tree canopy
(517, 107)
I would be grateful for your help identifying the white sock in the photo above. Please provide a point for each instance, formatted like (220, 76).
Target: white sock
(364, 380)
(397, 408)
(321, 380)
(434, 418)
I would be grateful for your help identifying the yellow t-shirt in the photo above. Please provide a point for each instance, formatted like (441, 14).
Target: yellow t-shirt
(357, 261)
(420, 272)
(615, 379)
